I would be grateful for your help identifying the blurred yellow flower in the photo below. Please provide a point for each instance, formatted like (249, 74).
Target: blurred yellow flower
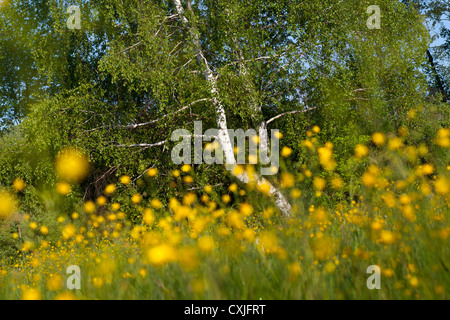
(286, 152)
(226, 198)
(54, 282)
(246, 209)
(72, 165)
(337, 183)
(152, 172)
(326, 157)
(235, 220)
(368, 179)
(319, 183)
(156, 203)
(361, 151)
(414, 282)
(31, 294)
(186, 168)
(387, 237)
(189, 198)
(175, 173)
(427, 169)
(69, 231)
(161, 254)
(443, 138)
(206, 244)
(89, 207)
(378, 138)
(110, 188)
(136, 198)
(308, 144)
(268, 242)
(18, 184)
(287, 180)
(101, 201)
(264, 187)
(442, 185)
(395, 143)
(44, 230)
(296, 193)
(65, 296)
(329, 267)
(125, 179)
(8, 204)
(63, 188)
(188, 179)
(389, 199)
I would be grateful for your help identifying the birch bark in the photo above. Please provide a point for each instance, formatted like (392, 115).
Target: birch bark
(221, 119)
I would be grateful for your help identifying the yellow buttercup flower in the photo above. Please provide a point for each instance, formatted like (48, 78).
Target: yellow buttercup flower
(186, 168)
(125, 179)
(44, 230)
(8, 204)
(31, 294)
(443, 138)
(152, 172)
(442, 185)
(287, 180)
(319, 183)
(110, 188)
(101, 201)
(69, 231)
(378, 138)
(156, 203)
(55, 282)
(226, 198)
(361, 151)
(330, 267)
(233, 187)
(18, 184)
(395, 143)
(161, 254)
(188, 179)
(136, 198)
(175, 173)
(65, 296)
(337, 183)
(63, 188)
(72, 165)
(286, 152)
(326, 157)
(296, 193)
(246, 209)
(206, 244)
(89, 207)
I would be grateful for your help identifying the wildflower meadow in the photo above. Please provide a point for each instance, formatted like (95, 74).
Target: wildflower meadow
(224, 150)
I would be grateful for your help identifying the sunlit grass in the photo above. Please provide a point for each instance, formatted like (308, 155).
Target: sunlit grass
(236, 245)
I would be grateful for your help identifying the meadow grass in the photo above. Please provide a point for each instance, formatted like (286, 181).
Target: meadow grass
(236, 245)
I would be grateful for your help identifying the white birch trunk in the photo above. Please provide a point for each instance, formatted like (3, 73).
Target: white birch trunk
(221, 120)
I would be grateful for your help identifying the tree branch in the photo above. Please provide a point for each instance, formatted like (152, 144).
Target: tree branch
(140, 145)
(138, 125)
(289, 112)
